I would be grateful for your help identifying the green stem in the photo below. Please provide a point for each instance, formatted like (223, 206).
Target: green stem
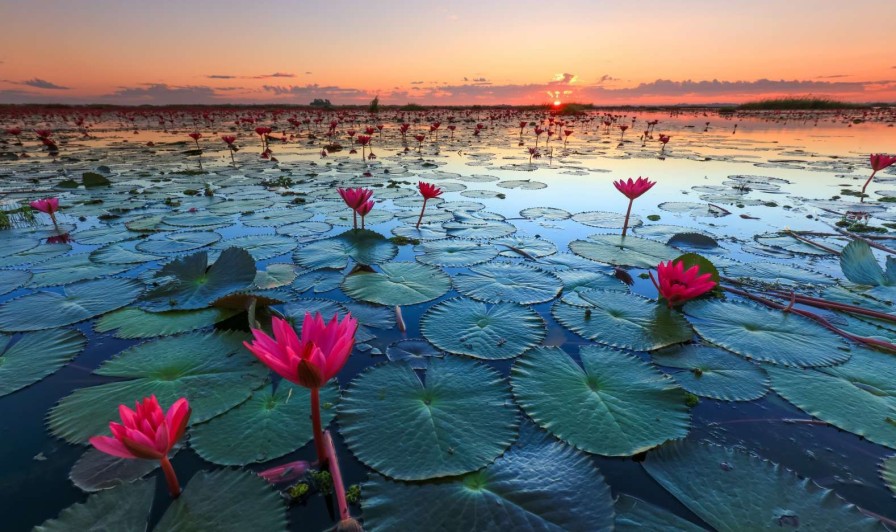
(170, 478)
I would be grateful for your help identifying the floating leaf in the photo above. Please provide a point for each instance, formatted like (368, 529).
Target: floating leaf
(608, 220)
(459, 420)
(621, 319)
(858, 396)
(260, 247)
(623, 251)
(362, 246)
(398, 283)
(267, 426)
(764, 334)
(137, 323)
(414, 351)
(96, 470)
(467, 327)
(12, 279)
(615, 406)
(190, 283)
(859, 265)
(213, 371)
(78, 302)
(453, 253)
(318, 280)
(634, 515)
(516, 283)
(510, 494)
(124, 509)
(888, 473)
(179, 242)
(711, 481)
(35, 355)
(713, 372)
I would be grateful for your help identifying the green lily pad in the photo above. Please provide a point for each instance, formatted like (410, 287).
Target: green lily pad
(276, 218)
(479, 231)
(178, 242)
(190, 283)
(398, 283)
(225, 501)
(524, 246)
(621, 319)
(96, 470)
(607, 220)
(78, 302)
(362, 246)
(124, 509)
(623, 251)
(213, 371)
(635, 515)
(713, 372)
(858, 396)
(267, 426)
(274, 276)
(888, 473)
(615, 406)
(137, 323)
(453, 253)
(510, 494)
(774, 273)
(547, 213)
(459, 420)
(71, 269)
(318, 281)
(575, 280)
(260, 247)
(102, 235)
(34, 255)
(35, 355)
(711, 481)
(491, 332)
(196, 219)
(859, 266)
(12, 280)
(766, 335)
(122, 253)
(516, 283)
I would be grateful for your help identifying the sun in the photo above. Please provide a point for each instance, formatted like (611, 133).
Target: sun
(556, 103)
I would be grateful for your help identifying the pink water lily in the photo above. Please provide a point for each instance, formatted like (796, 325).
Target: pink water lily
(364, 210)
(677, 285)
(47, 205)
(428, 191)
(355, 198)
(879, 161)
(632, 190)
(309, 361)
(148, 433)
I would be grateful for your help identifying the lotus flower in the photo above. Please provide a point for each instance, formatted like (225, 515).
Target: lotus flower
(428, 191)
(354, 198)
(419, 138)
(309, 361)
(879, 161)
(147, 433)
(47, 205)
(677, 285)
(196, 136)
(364, 209)
(631, 190)
(43, 133)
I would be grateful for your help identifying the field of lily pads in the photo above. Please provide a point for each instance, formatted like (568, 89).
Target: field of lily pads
(447, 319)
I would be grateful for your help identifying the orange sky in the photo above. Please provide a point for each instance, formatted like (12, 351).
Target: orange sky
(462, 52)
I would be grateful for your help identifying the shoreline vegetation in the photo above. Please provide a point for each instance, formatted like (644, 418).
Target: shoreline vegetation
(571, 108)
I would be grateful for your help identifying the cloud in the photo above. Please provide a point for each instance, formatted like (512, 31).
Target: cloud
(163, 94)
(38, 83)
(606, 77)
(564, 79)
(421, 83)
(220, 76)
(338, 95)
(275, 75)
(833, 76)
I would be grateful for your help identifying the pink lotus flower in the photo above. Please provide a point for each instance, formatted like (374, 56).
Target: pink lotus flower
(631, 190)
(428, 191)
(14, 131)
(355, 198)
(309, 361)
(147, 433)
(43, 133)
(196, 136)
(47, 205)
(879, 161)
(677, 285)
(364, 209)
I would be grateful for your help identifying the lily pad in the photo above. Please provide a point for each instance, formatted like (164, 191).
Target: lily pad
(621, 319)
(270, 424)
(213, 371)
(124, 509)
(179, 242)
(711, 481)
(766, 335)
(635, 515)
(623, 251)
(510, 494)
(137, 323)
(33, 356)
(78, 302)
(398, 283)
(516, 283)
(713, 372)
(455, 253)
(318, 281)
(12, 280)
(190, 283)
(615, 405)
(362, 246)
(458, 420)
(491, 332)
(260, 247)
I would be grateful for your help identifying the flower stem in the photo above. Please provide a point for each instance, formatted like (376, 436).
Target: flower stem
(420, 219)
(318, 430)
(355, 215)
(862, 199)
(170, 478)
(336, 474)
(627, 214)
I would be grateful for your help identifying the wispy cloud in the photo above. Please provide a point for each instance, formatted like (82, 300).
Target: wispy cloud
(38, 83)
(220, 76)
(163, 94)
(260, 76)
(275, 75)
(313, 90)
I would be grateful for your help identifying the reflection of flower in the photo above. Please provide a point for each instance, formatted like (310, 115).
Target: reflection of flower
(64, 238)
(678, 285)
(147, 433)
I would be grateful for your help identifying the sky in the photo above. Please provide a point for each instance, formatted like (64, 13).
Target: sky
(461, 52)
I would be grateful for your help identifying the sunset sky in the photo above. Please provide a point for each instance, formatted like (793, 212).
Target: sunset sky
(460, 52)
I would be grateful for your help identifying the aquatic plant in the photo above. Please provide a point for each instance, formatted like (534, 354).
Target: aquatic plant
(677, 285)
(229, 140)
(631, 190)
(48, 206)
(310, 361)
(148, 433)
(364, 209)
(879, 161)
(428, 191)
(354, 198)
(196, 136)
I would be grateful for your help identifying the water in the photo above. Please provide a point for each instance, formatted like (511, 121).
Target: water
(818, 154)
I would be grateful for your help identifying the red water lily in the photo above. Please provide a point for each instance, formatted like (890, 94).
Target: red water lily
(196, 136)
(879, 161)
(364, 209)
(677, 285)
(229, 140)
(355, 198)
(631, 190)
(47, 205)
(310, 361)
(43, 133)
(148, 433)
(428, 191)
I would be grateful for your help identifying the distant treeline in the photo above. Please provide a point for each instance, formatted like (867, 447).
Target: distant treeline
(810, 104)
